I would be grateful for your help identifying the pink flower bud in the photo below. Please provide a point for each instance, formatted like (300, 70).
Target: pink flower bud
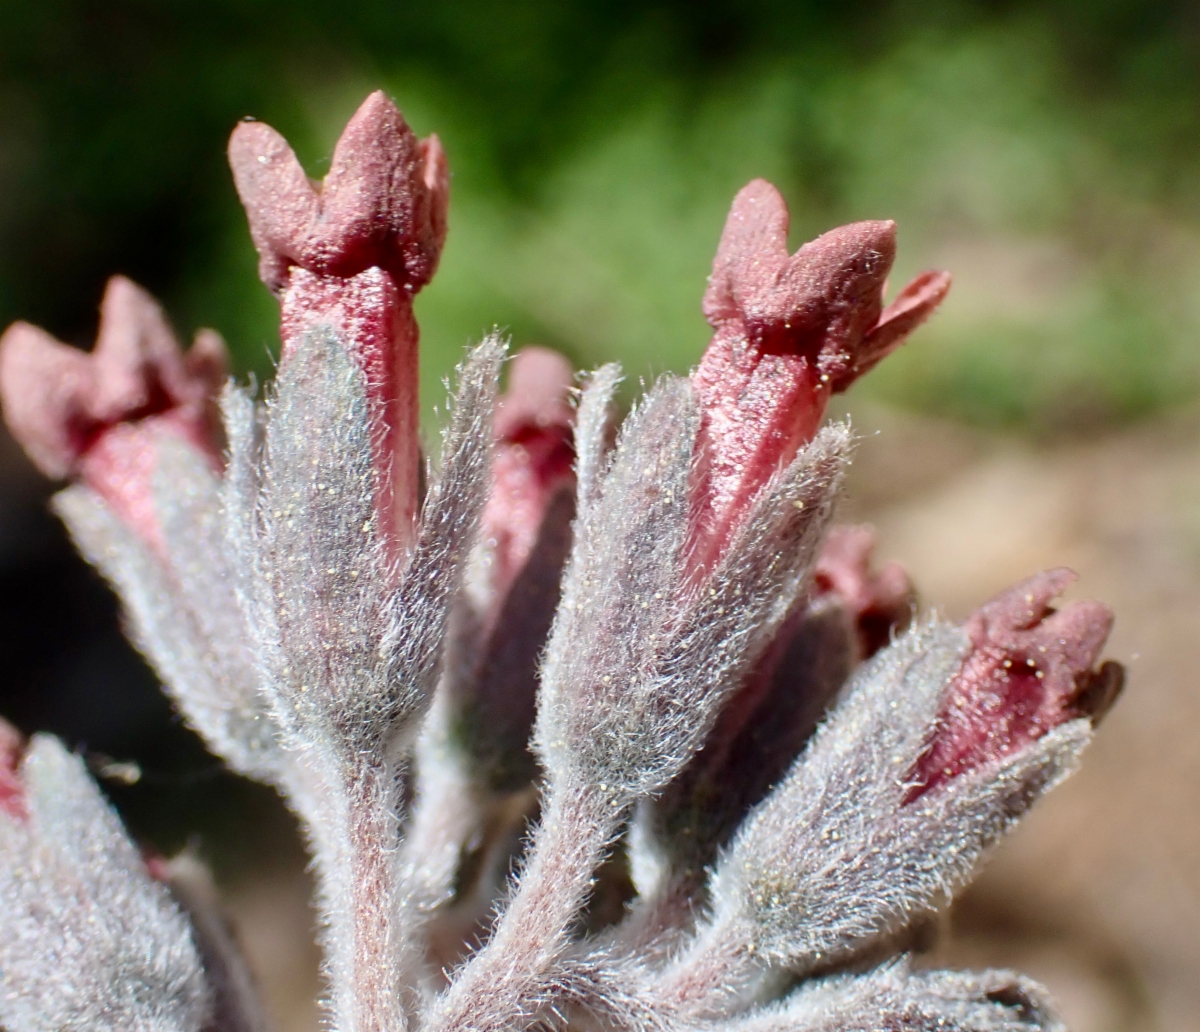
(1030, 670)
(532, 462)
(12, 792)
(790, 330)
(97, 416)
(348, 254)
(877, 603)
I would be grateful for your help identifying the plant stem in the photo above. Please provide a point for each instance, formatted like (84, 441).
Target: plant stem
(505, 984)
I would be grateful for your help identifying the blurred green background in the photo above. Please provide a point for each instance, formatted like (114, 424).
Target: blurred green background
(1045, 151)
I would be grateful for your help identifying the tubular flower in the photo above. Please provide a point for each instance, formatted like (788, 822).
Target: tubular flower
(347, 255)
(789, 331)
(100, 417)
(533, 461)
(647, 638)
(1030, 669)
(849, 614)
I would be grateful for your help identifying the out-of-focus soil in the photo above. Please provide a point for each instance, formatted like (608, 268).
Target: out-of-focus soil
(1098, 893)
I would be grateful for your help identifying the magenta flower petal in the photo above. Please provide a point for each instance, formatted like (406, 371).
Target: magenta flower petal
(878, 603)
(46, 386)
(382, 203)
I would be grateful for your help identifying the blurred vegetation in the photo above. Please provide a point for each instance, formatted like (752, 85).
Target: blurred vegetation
(1045, 151)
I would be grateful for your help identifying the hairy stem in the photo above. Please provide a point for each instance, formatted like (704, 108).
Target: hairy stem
(369, 953)
(510, 979)
(720, 965)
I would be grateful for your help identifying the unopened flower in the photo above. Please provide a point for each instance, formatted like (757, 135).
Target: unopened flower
(849, 847)
(475, 769)
(512, 587)
(346, 256)
(878, 602)
(850, 613)
(347, 576)
(100, 417)
(533, 463)
(1030, 669)
(790, 330)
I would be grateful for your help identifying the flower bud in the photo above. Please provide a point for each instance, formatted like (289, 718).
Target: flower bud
(877, 603)
(513, 580)
(98, 416)
(1029, 670)
(347, 255)
(532, 462)
(790, 330)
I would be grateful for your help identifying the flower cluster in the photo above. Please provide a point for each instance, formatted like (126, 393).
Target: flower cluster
(591, 723)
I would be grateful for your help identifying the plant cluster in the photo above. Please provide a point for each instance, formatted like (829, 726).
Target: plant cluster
(588, 725)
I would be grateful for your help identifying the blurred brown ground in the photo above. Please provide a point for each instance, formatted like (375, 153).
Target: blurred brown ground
(1098, 894)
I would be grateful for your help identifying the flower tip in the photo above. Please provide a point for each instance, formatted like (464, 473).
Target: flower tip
(877, 602)
(533, 461)
(1029, 670)
(755, 231)
(1058, 647)
(376, 110)
(136, 354)
(207, 361)
(98, 416)
(911, 307)
(1020, 607)
(538, 384)
(437, 183)
(870, 235)
(1099, 690)
(819, 302)
(12, 792)
(383, 202)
